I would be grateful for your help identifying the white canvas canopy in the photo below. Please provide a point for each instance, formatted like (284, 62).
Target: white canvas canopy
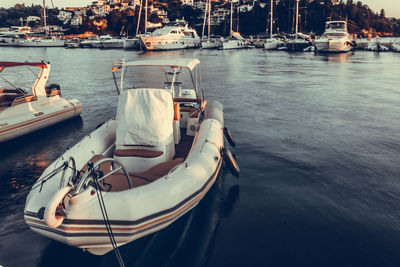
(145, 117)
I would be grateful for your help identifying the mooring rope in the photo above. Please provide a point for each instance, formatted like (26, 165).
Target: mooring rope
(107, 222)
(44, 179)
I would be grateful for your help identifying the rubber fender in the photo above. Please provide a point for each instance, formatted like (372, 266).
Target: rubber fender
(50, 217)
(230, 161)
(229, 137)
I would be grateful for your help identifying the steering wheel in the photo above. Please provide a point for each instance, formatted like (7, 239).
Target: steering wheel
(96, 173)
(69, 171)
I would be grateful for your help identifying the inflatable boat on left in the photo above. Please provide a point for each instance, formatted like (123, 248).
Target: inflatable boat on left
(22, 112)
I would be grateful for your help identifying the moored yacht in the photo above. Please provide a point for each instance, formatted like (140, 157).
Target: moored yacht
(170, 38)
(234, 41)
(22, 111)
(335, 38)
(11, 38)
(272, 42)
(112, 42)
(88, 43)
(42, 42)
(209, 42)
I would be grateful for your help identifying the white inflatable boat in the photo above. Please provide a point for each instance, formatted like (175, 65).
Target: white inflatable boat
(139, 172)
(21, 111)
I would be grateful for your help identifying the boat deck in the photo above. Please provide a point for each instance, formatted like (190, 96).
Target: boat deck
(117, 182)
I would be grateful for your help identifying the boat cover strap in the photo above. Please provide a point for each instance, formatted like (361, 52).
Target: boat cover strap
(137, 153)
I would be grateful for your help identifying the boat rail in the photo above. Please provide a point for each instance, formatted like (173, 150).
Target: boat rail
(23, 99)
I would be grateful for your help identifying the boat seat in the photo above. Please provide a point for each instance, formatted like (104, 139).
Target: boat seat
(158, 170)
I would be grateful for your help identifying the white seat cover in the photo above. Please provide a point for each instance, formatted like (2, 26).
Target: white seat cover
(145, 117)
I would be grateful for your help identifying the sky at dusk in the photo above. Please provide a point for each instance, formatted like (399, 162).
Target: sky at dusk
(391, 7)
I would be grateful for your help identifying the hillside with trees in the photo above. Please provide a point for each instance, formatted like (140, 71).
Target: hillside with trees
(312, 16)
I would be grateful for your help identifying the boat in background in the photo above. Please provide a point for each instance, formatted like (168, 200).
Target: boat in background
(209, 42)
(171, 38)
(88, 43)
(235, 40)
(11, 38)
(396, 46)
(298, 42)
(22, 112)
(335, 38)
(42, 42)
(376, 45)
(131, 43)
(145, 168)
(272, 43)
(109, 42)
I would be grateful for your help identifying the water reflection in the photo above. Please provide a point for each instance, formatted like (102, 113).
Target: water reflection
(335, 57)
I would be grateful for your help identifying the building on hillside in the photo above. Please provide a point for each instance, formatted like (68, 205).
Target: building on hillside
(219, 14)
(200, 5)
(33, 18)
(64, 16)
(187, 2)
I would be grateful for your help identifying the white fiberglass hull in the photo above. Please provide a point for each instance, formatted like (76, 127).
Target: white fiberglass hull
(210, 44)
(28, 117)
(151, 207)
(334, 46)
(233, 44)
(271, 44)
(132, 43)
(152, 43)
(113, 44)
(42, 43)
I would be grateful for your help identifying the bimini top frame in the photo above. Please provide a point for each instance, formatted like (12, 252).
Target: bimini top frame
(174, 69)
(38, 88)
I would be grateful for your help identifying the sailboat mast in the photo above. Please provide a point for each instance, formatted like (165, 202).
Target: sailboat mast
(145, 19)
(231, 17)
(44, 17)
(237, 21)
(271, 19)
(297, 16)
(204, 21)
(138, 22)
(209, 18)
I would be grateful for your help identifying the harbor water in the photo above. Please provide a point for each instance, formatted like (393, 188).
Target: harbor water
(318, 145)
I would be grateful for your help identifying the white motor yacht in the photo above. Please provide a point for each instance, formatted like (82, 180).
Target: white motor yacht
(170, 38)
(139, 172)
(335, 38)
(22, 112)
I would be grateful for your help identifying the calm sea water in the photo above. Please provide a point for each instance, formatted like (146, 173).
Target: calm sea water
(318, 144)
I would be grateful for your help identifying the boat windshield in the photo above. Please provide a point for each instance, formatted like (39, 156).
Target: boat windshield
(163, 31)
(336, 26)
(173, 79)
